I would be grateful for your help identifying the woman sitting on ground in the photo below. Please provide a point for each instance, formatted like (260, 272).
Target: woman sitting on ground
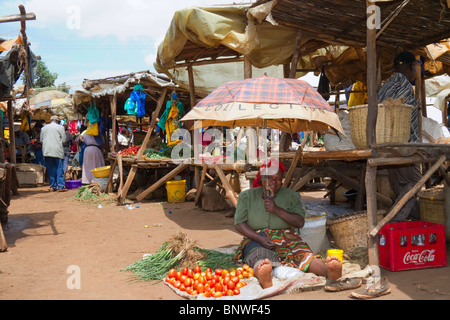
(267, 216)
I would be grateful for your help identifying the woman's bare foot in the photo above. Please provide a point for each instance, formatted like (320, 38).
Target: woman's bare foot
(263, 273)
(334, 267)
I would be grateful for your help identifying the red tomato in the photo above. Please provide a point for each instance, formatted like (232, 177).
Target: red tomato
(197, 269)
(218, 272)
(230, 293)
(236, 291)
(185, 271)
(240, 285)
(208, 275)
(177, 284)
(217, 294)
(190, 273)
(231, 285)
(182, 287)
(200, 288)
(218, 286)
(172, 273)
(178, 276)
(188, 282)
(183, 278)
(208, 270)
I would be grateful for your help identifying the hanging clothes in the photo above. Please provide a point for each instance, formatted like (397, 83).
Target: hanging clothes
(25, 125)
(174, 102)
(138, 97)
(358, 98)
(135, 104)
(93, 113)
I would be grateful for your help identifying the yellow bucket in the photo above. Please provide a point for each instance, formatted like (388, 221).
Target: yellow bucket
(101, 172)
(176, 191)
(336, 253)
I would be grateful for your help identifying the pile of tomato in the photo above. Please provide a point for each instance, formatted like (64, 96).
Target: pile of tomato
(130, 151)
(217, 283)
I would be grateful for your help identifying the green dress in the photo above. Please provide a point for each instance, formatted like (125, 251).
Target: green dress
(250, 208)
(289, 248)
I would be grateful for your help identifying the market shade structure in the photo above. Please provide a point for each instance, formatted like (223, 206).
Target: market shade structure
(289, 105)
(53, 102)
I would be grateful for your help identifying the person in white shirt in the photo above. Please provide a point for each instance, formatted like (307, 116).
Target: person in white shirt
(122, 138)
(53, 137)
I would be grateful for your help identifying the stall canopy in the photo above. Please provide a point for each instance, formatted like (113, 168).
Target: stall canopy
(121, 86)
(421, 26)
(216, 39)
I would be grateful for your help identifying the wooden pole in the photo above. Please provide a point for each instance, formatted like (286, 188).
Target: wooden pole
(372, 114)
(298, 154)
(304, 180)
(247, 68)
(200, 186)
(12, 138)
(191, 86)
(113, 102)
(108, 187)
(411, 193)
(371, 187)
(3, 243)
(296, 54)
(226, 184)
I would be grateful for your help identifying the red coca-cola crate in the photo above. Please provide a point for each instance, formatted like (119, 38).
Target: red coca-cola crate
(412, 245)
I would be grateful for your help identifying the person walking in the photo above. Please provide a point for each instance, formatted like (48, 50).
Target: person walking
(53, 137)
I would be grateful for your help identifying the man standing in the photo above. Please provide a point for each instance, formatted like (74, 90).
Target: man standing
(53, 136)
(403, 178)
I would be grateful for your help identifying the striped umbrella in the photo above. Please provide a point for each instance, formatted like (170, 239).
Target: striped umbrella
(290, 105)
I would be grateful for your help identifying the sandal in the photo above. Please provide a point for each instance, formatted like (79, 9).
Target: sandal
(365, 293)
(341, 285)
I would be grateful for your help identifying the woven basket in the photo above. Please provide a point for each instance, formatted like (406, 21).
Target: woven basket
(393, 124)
(350, 230)
(432, 205)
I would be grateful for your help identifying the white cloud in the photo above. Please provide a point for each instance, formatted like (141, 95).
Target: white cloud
(128, 19)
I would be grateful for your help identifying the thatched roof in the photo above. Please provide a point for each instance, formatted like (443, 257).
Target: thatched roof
(418, 23)
(101, 90)
(334, 37)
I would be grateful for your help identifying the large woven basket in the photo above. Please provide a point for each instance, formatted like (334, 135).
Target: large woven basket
(350, 230)
(393, 124)
(432, 205)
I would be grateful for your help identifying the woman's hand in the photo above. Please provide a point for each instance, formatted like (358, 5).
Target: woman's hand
(270, 205)
(266, 242)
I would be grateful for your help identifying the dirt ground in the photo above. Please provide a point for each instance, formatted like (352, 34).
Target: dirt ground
(50, 235)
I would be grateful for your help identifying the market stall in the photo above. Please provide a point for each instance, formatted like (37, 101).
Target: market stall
(138, 102)
(333, 38)
(391, 25)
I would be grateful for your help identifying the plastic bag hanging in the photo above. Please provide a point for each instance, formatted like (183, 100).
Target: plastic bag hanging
(93, 113)
(324, 85)
(137, 98)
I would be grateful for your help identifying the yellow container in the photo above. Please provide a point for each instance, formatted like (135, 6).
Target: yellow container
(101, 172)
(336, 253)
(176, 191)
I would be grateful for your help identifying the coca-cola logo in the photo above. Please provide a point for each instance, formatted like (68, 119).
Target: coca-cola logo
(419, 258)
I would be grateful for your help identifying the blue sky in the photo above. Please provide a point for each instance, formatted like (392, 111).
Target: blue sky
(92, 39)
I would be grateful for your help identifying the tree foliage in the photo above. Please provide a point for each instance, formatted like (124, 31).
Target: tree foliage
(44, 78)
